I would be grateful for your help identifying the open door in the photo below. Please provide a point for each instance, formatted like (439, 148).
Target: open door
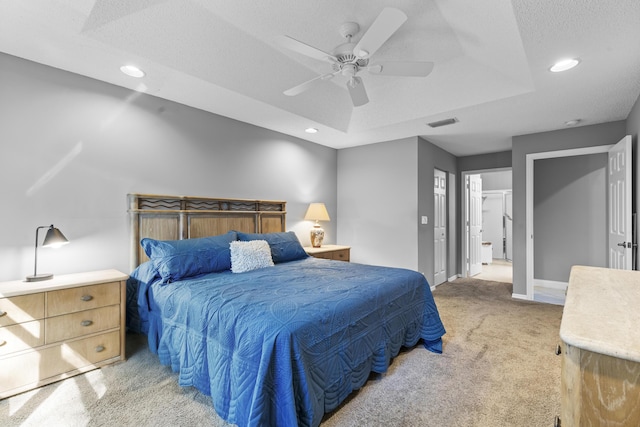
(474, 224)
(619, 196)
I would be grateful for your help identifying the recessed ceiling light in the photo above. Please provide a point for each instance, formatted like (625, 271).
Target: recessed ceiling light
(132, 70)
(572, 122)
(311, 130)
(564, 65)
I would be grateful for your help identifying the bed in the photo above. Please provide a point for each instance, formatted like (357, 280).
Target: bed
(234, 305)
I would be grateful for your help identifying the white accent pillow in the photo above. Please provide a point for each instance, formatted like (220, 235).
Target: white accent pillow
(247, 256)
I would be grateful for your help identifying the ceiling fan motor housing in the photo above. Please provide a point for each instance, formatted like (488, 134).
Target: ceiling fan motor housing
(344, 55)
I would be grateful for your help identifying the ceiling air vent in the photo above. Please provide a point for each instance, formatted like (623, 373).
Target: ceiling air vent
(445, 122)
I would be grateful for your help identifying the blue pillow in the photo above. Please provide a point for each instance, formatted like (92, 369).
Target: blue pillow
(177, 259)
(284, 246)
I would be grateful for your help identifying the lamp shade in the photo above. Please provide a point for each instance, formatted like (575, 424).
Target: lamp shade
(317, 212)
(54, 238)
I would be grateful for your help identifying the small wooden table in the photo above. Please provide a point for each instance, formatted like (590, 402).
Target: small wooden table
(334, 252)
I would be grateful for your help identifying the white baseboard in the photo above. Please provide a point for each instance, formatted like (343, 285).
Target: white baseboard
(552, 284)
(520, 296)
(452, 278)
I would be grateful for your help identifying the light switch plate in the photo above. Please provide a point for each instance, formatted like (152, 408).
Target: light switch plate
(425, 220)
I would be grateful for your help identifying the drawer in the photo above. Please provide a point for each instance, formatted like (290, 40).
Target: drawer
(340, 255)
(323, 255)
(82, 298)
(21, 337)
(27, 369)
(23, 308)
(81, 323)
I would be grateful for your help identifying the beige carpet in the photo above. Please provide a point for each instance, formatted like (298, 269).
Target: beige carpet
(498, 369)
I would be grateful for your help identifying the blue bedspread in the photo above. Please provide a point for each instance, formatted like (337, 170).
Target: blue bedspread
(285, 344)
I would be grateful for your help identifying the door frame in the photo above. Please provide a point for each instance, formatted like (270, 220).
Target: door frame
(530, 159)
(464, 235)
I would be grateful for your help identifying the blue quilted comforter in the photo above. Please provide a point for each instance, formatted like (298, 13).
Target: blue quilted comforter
(283, 345)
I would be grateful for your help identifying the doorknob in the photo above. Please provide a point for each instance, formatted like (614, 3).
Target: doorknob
(625, 244)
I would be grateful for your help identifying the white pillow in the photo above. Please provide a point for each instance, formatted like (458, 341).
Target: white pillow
(247, 256)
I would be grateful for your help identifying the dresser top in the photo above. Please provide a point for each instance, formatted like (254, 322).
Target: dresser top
(602, 312)
(63, 281)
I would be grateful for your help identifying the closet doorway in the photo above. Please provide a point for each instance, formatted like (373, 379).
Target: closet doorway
(496, 233)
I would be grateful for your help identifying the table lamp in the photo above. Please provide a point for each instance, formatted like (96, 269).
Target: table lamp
(317, 212)
(54, 238)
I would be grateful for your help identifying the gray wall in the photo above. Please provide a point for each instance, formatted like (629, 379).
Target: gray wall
(382, 192)
(73, 147)
(378, 203)
(497, 181)
(570, 214)
(584, 136)
(431, 157)
(485, 161)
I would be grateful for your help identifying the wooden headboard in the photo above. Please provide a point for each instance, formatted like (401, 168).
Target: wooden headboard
(182, 217)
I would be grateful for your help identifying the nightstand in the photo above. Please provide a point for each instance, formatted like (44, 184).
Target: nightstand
(334, 252)
(58, 328)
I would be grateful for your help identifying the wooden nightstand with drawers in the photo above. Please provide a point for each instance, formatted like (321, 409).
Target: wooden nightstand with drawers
(58, 328)
(334, 252)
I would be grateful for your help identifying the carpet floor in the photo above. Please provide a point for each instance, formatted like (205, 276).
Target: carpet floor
(498, 368)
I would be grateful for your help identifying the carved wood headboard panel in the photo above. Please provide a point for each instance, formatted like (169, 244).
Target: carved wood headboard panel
(181, 217)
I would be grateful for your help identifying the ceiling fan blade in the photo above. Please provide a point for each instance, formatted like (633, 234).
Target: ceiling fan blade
(306, 85)
(304, 49)
(404, 68)
(357, 91)
(383, 27)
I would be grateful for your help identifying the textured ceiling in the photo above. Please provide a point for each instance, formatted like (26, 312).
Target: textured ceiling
(491, 62)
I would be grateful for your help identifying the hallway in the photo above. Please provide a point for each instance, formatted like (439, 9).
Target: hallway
(499, 270)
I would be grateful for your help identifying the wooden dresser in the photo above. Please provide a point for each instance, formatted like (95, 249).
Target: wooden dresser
(58, 328)
(334, 252)
(600, 333)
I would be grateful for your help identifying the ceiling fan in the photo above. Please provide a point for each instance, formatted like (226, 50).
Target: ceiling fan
(350, 58)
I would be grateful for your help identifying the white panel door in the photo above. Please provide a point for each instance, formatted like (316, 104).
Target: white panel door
(475, 224)
(619, 195)
(439, 227)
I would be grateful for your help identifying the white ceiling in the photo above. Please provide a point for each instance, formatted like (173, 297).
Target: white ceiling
(491, 62)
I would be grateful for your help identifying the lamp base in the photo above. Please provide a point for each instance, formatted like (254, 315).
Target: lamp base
(317, 236)
(39, 277)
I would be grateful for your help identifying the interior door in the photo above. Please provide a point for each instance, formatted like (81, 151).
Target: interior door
(619, 196)
(474, 220)
(439, 227)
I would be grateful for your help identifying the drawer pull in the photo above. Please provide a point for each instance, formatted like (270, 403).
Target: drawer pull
(86, 323)
(86, 298)
(2, 342)
(99, 349)
(3, 313)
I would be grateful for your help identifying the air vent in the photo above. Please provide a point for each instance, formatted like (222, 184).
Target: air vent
(445, 122)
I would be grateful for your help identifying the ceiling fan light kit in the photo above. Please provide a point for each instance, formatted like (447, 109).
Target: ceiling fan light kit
(349, 58)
